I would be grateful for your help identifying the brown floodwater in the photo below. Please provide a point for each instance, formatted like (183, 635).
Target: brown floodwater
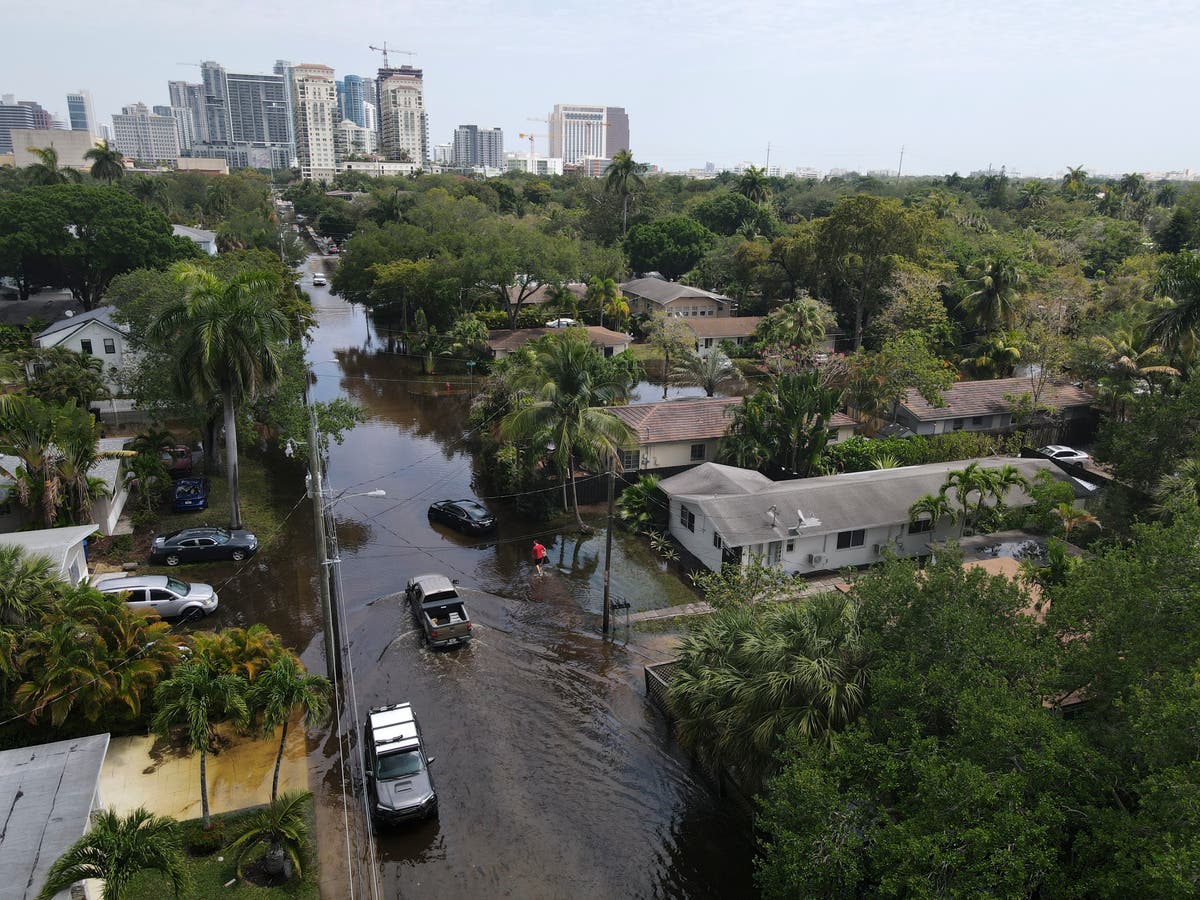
(556, 777)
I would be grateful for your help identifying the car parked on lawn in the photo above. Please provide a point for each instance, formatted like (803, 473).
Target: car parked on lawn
(1063, 453)
(161, 594)
(464, 515)
(190, 494)
(561, 323)
(398, 779)
(178, 460)
(204, 543)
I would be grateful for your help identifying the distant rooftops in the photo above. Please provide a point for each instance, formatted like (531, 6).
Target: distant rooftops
(693, 419)
(983, 398)
(659, 290)
(508, 341)
(721, 328)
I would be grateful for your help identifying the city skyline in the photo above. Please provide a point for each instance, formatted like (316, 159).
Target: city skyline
(825, 85)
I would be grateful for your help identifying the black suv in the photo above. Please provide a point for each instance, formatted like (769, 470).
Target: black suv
(398, 779)
(204, 543)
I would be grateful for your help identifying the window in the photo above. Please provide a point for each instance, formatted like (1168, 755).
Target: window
(848, 539)
(717, 541)
(956, 424)
(687, 518)
(832, 435)
(708, 343)
(791, 546)
(629, 460)
(920, 526)
(697, 452)
(981, 421)
(110, 345)
(85, 347)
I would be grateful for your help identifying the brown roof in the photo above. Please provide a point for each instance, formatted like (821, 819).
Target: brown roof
(693, 419)
(982, 398)
(726, 327)
(512, 340)
(541, 293)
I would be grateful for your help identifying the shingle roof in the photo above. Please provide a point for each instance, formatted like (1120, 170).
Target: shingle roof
(541, 293)
(723, 326)
(660, 291)
(715, 480)
(831, 503)
(199, 235)
(46, 793)
(696, 418)
(101, 314)
(512, 340)
(984, 398)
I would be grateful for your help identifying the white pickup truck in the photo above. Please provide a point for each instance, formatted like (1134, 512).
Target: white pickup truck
(439, 609)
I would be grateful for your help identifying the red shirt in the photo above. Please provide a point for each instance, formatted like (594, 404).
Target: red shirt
(539, 552)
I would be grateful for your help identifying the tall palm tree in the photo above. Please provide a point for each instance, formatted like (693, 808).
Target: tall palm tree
(993, 303)
(622, 176)
(116, 849)
(1075, 181)
(974, 485)
(28, 585)
(278, 692)
(108, 164)
(47, 169)
(198, 699)
(748, 675)
(1132, 356)
(1178, 323)
(994, 356)
(238, 651)
(561, 393)
(605, 295)
(800, 324)
(283, 828)
(712, 372)
(1034, 194)
(227, 339)
(753, 185)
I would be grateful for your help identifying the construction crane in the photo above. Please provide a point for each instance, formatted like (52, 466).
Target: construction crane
(385, 51)
(522, 136)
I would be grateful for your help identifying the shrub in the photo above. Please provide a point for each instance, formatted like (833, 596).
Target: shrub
(121, 543)
(859, 453)
(199, 842)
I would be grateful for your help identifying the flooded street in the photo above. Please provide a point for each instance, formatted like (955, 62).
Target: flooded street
(556, 778)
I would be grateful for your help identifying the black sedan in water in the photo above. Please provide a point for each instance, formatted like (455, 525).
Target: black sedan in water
(203, 544)
(464, 515)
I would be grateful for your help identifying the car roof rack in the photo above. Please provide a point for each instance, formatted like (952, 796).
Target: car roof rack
(394, 727)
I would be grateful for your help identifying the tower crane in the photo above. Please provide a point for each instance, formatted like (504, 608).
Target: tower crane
(385, 51)
(523, 135)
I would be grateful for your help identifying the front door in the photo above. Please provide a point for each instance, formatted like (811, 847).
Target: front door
(774, 552)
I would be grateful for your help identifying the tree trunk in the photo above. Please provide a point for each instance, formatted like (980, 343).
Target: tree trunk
(583, 527)
(666, 371)
(204, 816)
(278, 762)
(231, 462)
(625, 215)
(209, 430)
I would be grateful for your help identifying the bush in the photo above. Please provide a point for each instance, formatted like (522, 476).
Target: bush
(121, 543)
(859, 453)
(199, 842)
(529, 317)
(144, 518)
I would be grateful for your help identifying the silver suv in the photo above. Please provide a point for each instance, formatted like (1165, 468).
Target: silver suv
(161, 594)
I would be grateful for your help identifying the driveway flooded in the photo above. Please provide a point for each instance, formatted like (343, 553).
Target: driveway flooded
(556, 777)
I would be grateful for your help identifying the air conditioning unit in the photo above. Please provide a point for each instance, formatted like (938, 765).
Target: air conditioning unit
(878, 548)
(817, 559)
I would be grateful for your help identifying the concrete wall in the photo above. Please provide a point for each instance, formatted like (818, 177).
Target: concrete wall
(677, 454)
(71, 146)
(107, 510)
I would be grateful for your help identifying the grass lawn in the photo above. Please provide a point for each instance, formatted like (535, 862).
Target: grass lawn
(208, 875)
(645, 352)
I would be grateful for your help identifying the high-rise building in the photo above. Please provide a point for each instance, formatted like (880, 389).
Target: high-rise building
(189, 98)
(314, 94)
(538, 165)
(13, 116)
(350, 140)
(81, 112)
(217, 125)
(475, 146)
(351, 97)
(443, 154)
(143, 135)
(403, 121)
(41, 117)
(579, 130)
(244, 119)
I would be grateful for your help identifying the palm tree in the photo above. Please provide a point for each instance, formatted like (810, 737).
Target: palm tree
(279, 691)
(994, 356)
(47, 169)
(642, 505)
(933, 507)
(712, 372)
(28, 585)
(748, 675)
(198, 699)
(982, 484)
(1181, 488)
(238, 651)
(115, 849)
(1133, 356)
(993, 303)
(623, 174)
(226, 337)
(1034, 194)
(1073, 517)
(561, 393)
(283, 828)
(800, 324)
(785, 424)
(108, 164)
(1075, 181)
(605, 295)
(1179, 322)
(753, 185)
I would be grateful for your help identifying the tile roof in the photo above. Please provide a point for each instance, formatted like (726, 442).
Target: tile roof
(694, 418)
(982, 398)
(512, 340)
(660, 291)
(541, 293)
(723, 326)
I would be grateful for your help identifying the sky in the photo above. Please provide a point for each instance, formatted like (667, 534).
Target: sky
(1032, 86)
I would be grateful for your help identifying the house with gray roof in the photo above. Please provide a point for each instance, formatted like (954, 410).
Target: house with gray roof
(986, 406)
(48, 793)
(649, 296)
(64, 547)
(725, 515)
(503, 341)
(95, 333)
(106, 509)
(202, 238)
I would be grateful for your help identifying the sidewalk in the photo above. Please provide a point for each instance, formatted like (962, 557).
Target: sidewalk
(701, 608)
(145, 771)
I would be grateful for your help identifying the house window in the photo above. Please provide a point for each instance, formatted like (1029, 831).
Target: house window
(849, 539)
(708, 342)
(832, 435)
(687, 518)
(630, 460)
(717, 542)
(956, 424)
(791, 546)
(110, 345)
(920, 526)
(697, 452)
(981, 421)
(85, 347)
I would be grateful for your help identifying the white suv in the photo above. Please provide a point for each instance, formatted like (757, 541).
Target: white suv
(161, 594)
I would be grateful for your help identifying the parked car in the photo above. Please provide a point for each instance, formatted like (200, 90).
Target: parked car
(190, 494)
(1064, 454)
(561, 323)
(178, 460)
(319, 280)
(399, 782)
(439, 609)
(203, 544)
(161, 594)
(464, 515)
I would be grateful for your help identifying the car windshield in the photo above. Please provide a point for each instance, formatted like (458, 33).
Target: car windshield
(477, 512)
(221, 537)
(179, 587)
(397, 765)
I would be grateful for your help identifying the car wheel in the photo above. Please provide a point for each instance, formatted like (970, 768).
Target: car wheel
(192, 615)
(238, 555)
(173, 559)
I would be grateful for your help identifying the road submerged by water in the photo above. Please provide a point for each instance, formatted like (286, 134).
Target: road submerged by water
(556, 777)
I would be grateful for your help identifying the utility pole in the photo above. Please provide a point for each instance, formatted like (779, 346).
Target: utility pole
(317, 487)
(612, 479)
(900, 168)
(767, 167)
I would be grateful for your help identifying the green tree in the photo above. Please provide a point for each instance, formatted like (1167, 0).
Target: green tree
(196, 698)
(605, 295)
(622, 176)
(510, 260)
(753, 185)
(977, 485)
(46, 170)
(798, 326)
(1181, 488)
(1178, 323)
(993, 303)
(116, 849)
(60, 376)
(932, 508)
(713, 372)
(671, 246)
(282, 828)
(225, 336)
(28, 585)
(642, 505)
(108, 164)
(671, 337)
(280, 691)
(1075, 182)
(783, 425)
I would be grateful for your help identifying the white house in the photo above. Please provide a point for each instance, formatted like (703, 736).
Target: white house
(651, 295)
(106, 509)
(205, 240)
(710, 332)
(95, 333)
(606, 341)
(984, 406)
(723, 515)
(62, 546)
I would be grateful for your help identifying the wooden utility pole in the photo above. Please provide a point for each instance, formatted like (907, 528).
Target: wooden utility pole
(612, 478)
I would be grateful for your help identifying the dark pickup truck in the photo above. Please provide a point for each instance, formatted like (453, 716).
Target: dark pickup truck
(439, 609)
